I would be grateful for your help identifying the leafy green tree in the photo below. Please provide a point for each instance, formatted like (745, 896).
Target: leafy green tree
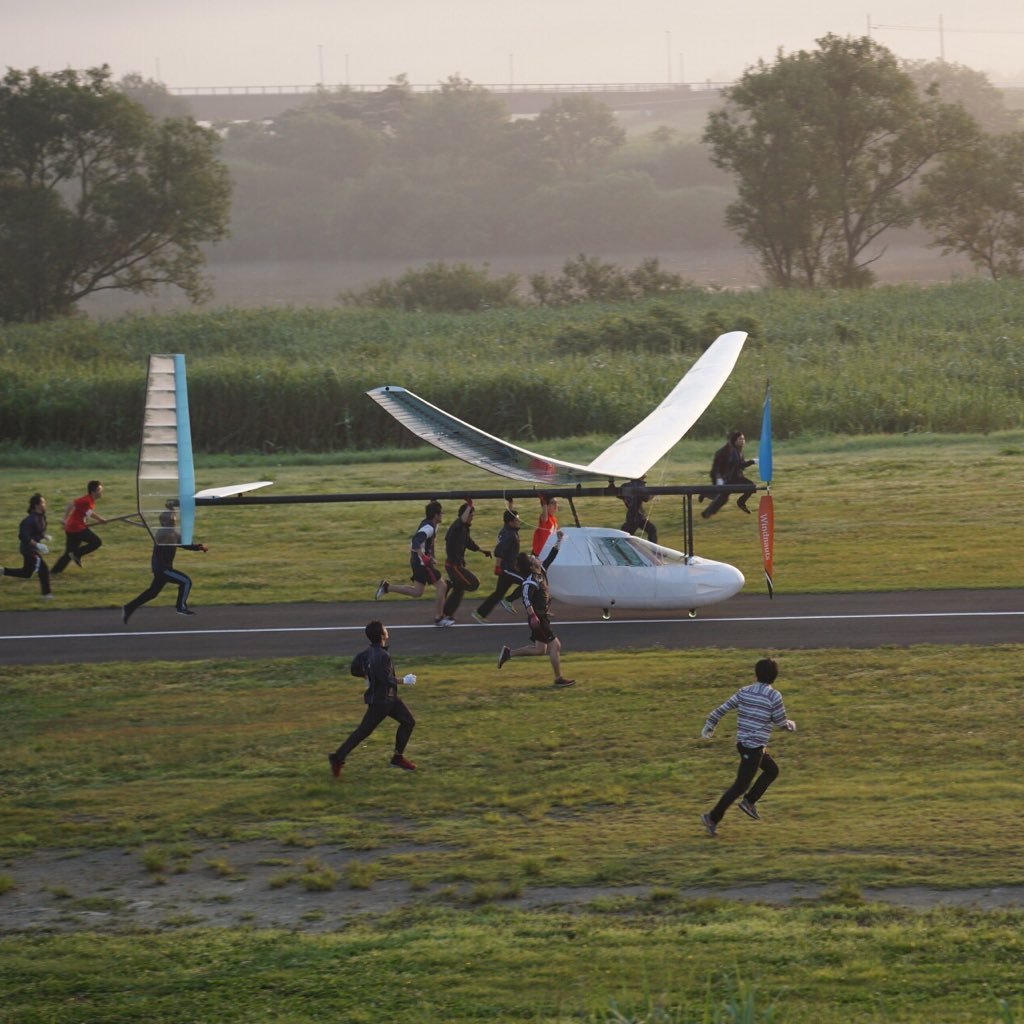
(454, 132)
(825, 146)
(954, 83)
(97, 194)
(578, 133)
(973, 202)
(152, 95)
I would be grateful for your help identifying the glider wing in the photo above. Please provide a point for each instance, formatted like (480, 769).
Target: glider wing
(472, 445)
(634, 453)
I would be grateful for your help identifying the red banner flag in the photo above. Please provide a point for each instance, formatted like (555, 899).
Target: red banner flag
(766, 529)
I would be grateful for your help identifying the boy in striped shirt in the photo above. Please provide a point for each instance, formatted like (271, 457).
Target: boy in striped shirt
(759, 708)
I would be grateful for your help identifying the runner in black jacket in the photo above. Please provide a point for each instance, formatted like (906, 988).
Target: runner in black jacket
(381, 698)
(727, 468)
(536, 600)
(165, 547)
(456, 541)
(506, 554)
(32, 537)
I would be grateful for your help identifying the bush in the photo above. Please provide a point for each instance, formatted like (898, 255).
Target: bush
(438, 288)
(588, 279)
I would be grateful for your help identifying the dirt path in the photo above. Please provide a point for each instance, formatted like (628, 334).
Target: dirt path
(258, 885)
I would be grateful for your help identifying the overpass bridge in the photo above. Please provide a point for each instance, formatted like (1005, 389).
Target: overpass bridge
(256, 102)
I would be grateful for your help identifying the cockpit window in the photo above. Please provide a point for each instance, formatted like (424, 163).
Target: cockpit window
(620, 551)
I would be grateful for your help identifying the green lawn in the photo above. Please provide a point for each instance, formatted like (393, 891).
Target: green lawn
(902, 773)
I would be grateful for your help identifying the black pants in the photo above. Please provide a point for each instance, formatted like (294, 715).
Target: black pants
(179, 579)
(501, 587)
(460, 582)
(81, 544)
(721, 499)
(33, 563)
(634, 523)
(751, 758)
(375, 714)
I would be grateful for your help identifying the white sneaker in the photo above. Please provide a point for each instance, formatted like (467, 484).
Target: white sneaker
(445, 621)
(382, 589)
(47, 597)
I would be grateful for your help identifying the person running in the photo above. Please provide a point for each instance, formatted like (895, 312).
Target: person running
(460, 580)
(633, 498)
(165, 547)
(536, 599)
(759, 707)
(79, 540)
(423, 567)
(382, 701)
(547, 523)
(32, 537)
(727, 468)
(506, 553)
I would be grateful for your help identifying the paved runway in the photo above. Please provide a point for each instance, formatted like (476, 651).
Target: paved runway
(749, 620)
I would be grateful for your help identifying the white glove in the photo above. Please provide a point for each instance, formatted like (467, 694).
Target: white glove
(707, 732)
(790, 725)
(409, 680)
(42, 548)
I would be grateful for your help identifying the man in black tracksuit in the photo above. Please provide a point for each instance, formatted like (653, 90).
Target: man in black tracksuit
(165, 547)
(32, 536)
(381, 698)
(727, 468)
(506, 552)
(456, 541)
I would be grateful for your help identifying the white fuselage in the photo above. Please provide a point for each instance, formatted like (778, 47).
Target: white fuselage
(604, 568)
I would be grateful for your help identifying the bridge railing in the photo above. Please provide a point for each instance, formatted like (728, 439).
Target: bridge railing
(507, 87)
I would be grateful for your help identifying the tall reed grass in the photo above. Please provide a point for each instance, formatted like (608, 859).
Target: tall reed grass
(945, 359)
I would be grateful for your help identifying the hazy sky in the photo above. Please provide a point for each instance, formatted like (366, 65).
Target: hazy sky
(192, 43)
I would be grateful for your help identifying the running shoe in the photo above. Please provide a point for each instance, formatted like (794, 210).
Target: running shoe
(336, 764)
(749, 809)
(398, 761)
(506, 653)
(382, 589)
(708, 824)
(560, 681)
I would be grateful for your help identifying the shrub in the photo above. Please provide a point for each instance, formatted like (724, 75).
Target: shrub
(438, 288)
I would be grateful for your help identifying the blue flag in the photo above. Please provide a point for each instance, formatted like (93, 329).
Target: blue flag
(764, 455)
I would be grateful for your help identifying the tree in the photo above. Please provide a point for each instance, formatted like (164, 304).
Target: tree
(96, 194)
(954, 83)
(578, 133)
(973, 201)
(152, 95)
(825, 146)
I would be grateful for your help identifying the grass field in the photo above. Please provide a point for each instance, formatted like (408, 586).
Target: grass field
(902, 774)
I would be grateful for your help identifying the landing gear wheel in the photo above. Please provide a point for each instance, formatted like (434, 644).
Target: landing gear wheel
(606, 614)
(692, 613)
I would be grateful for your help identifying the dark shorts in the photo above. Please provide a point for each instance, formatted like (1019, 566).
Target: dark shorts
(426, 574)
(543, 633)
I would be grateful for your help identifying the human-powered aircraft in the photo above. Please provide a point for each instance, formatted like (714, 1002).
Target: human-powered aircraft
(596, 567)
